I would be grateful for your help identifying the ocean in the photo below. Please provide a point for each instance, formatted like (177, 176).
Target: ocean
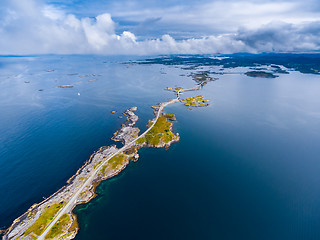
(246, 167)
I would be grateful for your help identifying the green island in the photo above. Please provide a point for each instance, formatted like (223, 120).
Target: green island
(161, 133)
(261, 74)
(170, 117)
(198, 101)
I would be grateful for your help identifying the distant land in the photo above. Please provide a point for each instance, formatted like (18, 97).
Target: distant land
(262, 74)
(304, 63)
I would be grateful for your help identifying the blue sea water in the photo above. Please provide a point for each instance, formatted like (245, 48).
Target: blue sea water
(246, 167)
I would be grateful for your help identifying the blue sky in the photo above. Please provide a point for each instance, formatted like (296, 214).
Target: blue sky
(147, 27)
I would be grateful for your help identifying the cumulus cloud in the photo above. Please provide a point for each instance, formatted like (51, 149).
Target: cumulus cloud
(32, 27)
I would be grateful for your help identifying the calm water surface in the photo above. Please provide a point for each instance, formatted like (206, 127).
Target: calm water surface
(246, 167)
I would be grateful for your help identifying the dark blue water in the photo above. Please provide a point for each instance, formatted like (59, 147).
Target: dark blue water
(247, 167)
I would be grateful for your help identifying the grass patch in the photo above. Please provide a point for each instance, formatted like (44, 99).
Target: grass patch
(96, 164)
(117, 160)
(59, 227)
(114, 162)
(198, 101)
(40, 224)
(104, 167)
(171, 117)
(160, 133)
(141, 140)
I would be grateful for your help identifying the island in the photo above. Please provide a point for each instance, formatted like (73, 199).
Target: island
(161, 134)
(261, 74)
(198, 101)
(65, 86)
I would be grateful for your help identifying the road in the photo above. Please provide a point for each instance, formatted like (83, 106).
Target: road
(185, 90)
(72, 202)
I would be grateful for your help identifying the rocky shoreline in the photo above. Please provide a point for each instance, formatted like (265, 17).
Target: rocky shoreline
(127, 132)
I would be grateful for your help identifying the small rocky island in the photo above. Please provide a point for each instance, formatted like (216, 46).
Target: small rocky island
(65, 86)
(127, 132)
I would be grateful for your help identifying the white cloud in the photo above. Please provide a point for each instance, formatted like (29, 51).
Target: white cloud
(217, 17)
(32, 27)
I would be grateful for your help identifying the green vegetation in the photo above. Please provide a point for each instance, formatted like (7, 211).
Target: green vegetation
(32, 213)
(130, 151)
(113, 163)
(171, 117)
(117, 160)
(59, 227)
(160, 133)
(141, 140)
(40, 224)
(198, 101)
(260, 74)
(104, 167)
(97, 164)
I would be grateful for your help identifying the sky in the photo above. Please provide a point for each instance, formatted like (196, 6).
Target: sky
(147, 27)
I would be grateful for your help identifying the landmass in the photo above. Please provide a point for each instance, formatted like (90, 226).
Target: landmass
(261, 74)
(161, 134)
(53, 218)
(198, 101)
(278, 69)
(304, 63)
(202, 77)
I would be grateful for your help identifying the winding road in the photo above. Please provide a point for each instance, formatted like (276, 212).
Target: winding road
(72, 202)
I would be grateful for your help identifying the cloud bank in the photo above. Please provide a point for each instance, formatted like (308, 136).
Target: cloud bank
(33, 27)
